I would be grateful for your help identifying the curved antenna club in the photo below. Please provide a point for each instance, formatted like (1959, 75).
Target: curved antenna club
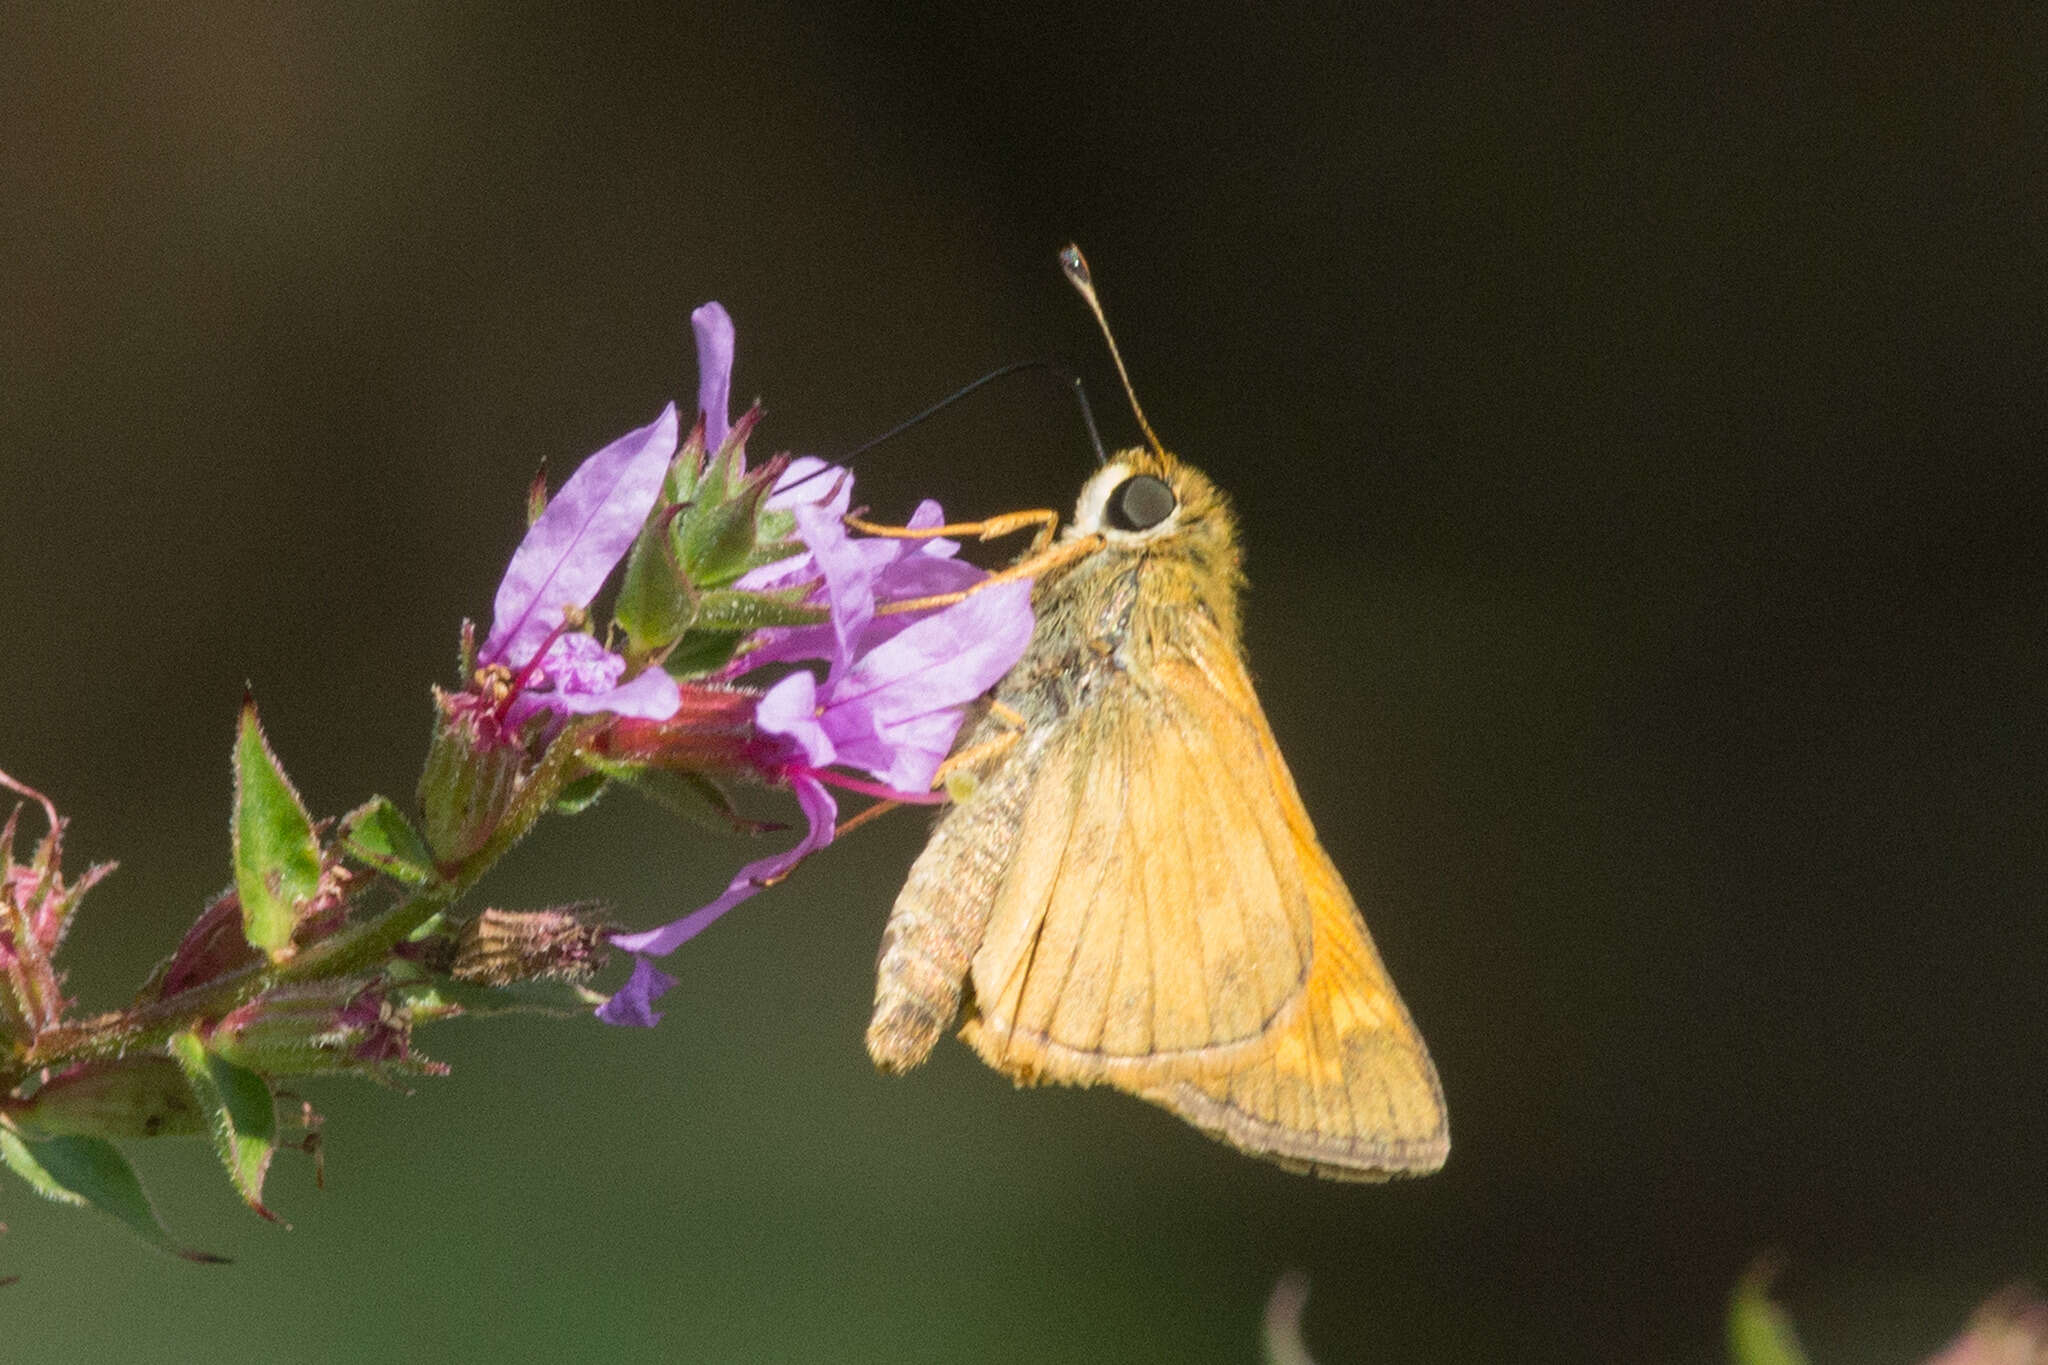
(1075, 267)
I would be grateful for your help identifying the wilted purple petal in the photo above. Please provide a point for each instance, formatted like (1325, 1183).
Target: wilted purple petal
(713, 326)
(579, 677)
(572, 548)
(819, 809)
(633, 1004)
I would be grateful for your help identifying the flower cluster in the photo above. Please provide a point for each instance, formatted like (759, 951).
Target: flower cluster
(709, 545)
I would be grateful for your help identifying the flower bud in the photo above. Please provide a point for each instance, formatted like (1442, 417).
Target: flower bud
(143, 1096)
(320, 1028)
(471, 778)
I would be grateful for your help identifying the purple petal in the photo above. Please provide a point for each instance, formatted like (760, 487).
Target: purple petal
(633, 1005)
(807, 481)
(882, 709)
(576, 662)
(810, 479)
(945, 659)
(905, 755)
(570, 550)
(713, 326)
(653, 695)
(912, 576)
(849, 571)
(818, 808)
(790, 709)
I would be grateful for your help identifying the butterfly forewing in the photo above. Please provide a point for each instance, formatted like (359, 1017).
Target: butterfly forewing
(1168, 924)
(1151, 911)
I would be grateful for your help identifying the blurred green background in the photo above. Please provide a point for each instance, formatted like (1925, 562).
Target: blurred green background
(1638, 424)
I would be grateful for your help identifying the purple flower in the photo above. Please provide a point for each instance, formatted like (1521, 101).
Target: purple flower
(633, 1003)
(896, 684)
(852, 575)
(559, 567)
(893, 711)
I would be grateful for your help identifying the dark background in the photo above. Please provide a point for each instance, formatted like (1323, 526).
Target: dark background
(1638, 429)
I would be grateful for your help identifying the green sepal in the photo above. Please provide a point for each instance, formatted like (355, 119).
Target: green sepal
(692, 796)
(240, 1112)
(776, 538)
(136, 1097)
(276, 856)
(685, 469)
(89, 1172)
(581, 793)
(1759, 1332)
(446, 997)
(378, 834)
(656, 602)
(466, 789)
(716, 540)
(517, 800)
(305, 1029)
(701, 652)
(729, 609)
(537, 493)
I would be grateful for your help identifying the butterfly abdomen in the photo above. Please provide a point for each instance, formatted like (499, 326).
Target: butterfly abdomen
(939, 918)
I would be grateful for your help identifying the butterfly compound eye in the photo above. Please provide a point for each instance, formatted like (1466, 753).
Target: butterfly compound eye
(1139, 503)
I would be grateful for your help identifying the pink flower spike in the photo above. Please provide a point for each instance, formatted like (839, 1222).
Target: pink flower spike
(570, 551)
(713, 326)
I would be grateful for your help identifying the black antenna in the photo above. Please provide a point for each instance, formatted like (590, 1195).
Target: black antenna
(1050, 367)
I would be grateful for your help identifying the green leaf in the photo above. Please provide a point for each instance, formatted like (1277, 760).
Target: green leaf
(1759, 1332)
(240, 1112)
(378, 834)
(89, 1172)
(277, 858)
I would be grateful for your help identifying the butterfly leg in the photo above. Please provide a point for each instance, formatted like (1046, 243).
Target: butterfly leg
(1044, 518)
(1031, 566)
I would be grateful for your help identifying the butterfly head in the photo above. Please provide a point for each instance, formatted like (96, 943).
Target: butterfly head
(1145, 504)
